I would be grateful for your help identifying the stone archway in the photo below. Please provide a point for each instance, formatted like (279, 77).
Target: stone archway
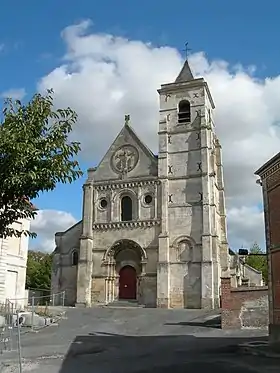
(126, 265)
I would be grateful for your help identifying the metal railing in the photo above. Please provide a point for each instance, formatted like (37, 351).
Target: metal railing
(6, 324)
(17, 319)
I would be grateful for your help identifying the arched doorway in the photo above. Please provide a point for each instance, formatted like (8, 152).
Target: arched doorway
(127, 283)
(126, 265)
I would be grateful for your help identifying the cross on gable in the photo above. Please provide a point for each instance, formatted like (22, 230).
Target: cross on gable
(126, 119)
(186, 50)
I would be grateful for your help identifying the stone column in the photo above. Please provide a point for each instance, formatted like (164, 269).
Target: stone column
(208, 260)
(224, 257)
(111, 289)
(139, 207)
(163, 268)
(156, 202)
(84, 277)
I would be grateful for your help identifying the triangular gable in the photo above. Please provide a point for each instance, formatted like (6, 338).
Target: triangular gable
(144, 147)
(127, 157)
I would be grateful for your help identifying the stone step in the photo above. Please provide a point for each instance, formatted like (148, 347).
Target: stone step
(125, 304)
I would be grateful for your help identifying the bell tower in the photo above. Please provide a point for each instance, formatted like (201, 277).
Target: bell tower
(193, 250)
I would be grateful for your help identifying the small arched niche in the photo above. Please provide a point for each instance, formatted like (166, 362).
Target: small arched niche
(184, 251)
(184, 111)
(74, 258)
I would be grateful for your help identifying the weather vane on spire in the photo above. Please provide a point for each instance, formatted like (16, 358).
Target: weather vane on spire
(186, 50)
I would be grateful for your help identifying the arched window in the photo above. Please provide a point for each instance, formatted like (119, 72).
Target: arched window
(75, 258)
(184, 114)
(126, 208)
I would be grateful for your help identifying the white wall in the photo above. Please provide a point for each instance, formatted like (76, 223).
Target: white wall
(13, 260)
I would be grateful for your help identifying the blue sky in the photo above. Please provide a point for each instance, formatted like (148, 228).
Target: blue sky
(31, 46)
(234, 31)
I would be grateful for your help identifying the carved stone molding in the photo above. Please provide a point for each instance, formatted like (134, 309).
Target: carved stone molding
(273, 180)
(125, 185)
(271, 171)
(129, 224)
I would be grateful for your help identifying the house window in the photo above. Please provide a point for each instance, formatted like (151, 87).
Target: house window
(126, 208)
(75, 258)
(184, 114)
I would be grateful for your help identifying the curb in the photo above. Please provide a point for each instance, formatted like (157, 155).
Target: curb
(123, 307)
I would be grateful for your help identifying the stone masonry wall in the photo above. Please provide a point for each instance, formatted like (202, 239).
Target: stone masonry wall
(243, 307)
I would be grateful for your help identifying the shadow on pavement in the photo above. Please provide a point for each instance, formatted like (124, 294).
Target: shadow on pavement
(212, 323)
(104, 353)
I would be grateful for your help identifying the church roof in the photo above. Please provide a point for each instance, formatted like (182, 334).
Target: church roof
(185, 74)
(133, 134)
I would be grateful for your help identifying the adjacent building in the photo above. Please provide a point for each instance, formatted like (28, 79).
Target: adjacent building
(154, 226)
(269, 175)
(13, 260)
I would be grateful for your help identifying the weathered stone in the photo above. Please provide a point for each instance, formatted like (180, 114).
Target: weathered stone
(35, 321)
(48, 321)
(2, 321)
(153, 227)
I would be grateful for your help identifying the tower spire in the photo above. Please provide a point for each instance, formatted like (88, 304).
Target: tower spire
(185, 74)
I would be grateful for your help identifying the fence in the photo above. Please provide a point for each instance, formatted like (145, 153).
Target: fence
(37, 293)
(17, 319)
(6, 325)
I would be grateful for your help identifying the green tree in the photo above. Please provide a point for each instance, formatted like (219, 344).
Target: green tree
(258, 261)
(38, 272)
(35, 155)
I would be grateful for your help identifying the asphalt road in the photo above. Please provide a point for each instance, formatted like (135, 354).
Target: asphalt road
(137, 340)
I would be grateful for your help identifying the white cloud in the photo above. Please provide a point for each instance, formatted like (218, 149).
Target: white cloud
(103, 77)
(245, 226)
(46, 224)
(14, 93)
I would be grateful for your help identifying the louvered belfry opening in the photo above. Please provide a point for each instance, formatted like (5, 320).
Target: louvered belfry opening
(184, 114)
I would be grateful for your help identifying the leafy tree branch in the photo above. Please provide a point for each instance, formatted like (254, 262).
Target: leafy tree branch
(38, 272)
(35, 155)
(258, 261)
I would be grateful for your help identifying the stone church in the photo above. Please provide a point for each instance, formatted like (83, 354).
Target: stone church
(153, 228)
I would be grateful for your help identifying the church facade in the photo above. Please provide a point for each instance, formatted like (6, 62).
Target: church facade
(153, 228)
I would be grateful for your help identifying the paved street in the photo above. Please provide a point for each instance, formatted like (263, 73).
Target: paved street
(107, 340)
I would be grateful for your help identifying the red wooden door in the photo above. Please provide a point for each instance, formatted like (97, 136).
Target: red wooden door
(127, 283)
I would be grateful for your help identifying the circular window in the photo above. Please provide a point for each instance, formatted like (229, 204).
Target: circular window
(103, 203)
(148, 199)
